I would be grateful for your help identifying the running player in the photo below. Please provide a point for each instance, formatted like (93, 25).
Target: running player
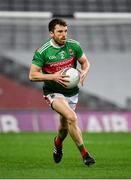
(48, 62)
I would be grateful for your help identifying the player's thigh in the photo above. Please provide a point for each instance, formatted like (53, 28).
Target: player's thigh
(61, 106)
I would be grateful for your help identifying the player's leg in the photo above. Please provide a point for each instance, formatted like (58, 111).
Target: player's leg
(58, 141)
(62, 131)
(61, 106)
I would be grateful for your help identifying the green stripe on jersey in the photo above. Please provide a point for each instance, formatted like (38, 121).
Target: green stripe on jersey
(40, 50)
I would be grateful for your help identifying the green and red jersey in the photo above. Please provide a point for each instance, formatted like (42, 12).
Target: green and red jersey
(53, 58)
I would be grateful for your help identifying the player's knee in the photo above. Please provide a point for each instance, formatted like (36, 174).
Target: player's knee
(71, 118)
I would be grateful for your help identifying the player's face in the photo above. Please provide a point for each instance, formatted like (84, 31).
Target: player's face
(59, 34)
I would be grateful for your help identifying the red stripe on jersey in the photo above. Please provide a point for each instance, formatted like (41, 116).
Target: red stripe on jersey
(57, 66)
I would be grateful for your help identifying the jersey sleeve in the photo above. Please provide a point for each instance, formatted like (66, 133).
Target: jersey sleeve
(78, 50)
(37, 59)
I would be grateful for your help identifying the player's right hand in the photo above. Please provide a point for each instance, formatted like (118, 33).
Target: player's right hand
(61, 78)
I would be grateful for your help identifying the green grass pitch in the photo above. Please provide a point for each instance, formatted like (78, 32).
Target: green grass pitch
(29, 156)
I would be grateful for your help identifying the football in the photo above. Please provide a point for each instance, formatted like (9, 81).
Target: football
(74, 77)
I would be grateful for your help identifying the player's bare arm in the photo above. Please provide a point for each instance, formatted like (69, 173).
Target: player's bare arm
(36, 74)
(85, 65)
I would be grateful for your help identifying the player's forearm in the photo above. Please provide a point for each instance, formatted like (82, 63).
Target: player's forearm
(85, 66)
(38, 76)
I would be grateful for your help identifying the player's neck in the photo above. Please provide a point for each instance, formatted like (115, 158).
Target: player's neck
(55, 44)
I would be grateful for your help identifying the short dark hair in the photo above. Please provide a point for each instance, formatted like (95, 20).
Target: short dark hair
(54, 22)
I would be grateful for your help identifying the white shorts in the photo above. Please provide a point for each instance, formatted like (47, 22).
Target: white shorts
(72, 101)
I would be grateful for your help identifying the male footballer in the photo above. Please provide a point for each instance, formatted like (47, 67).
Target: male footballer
(48, 62)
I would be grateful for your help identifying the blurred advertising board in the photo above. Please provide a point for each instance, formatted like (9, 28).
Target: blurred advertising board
(35, 121)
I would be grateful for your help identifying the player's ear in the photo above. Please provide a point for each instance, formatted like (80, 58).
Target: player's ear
(51, 34)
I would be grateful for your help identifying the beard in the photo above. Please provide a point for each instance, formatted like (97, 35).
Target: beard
(59, 42)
